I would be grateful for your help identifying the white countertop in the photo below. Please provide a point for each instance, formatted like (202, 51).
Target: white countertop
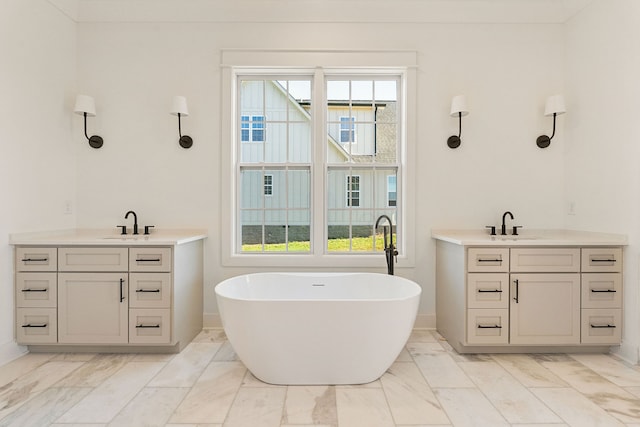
(107, 237)
(530, 238)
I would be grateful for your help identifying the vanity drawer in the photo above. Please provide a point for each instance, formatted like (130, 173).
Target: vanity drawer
(601, 326)
(36, 326)
(36, 289)
(487, 326)
(488, 290)
(601, 290)
(601, 260)
(150, 259)
(488, 259)
(149, 290)
(36, 259)
(93, 259)
(149, 326)
(545, 260)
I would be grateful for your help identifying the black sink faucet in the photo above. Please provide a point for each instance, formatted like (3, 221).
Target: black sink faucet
(135, 221)
(504, 227)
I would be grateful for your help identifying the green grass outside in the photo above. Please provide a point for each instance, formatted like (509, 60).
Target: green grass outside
(360, 244)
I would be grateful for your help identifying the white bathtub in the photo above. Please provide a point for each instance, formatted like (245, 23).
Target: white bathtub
(317, 328)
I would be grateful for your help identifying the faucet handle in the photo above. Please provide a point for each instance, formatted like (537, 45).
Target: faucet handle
(493, 229)
(515, 230)
(147, 227)
(123, 229)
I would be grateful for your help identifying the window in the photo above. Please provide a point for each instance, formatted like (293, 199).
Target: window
(347, 129)
(252, 128)
(268, 185)
(392, 195)
(353, 191)
(329, 192)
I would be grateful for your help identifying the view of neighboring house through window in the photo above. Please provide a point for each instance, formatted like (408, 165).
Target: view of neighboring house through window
(357, 182)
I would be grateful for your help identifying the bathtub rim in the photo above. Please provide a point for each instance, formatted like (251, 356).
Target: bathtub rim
(221, 287)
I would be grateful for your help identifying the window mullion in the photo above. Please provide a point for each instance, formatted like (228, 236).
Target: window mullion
(319, 166)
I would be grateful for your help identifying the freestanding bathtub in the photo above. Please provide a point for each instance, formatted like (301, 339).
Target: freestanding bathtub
(317, 328)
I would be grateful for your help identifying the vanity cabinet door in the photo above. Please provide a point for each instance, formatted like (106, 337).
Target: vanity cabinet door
(545, 309)
(93, 308)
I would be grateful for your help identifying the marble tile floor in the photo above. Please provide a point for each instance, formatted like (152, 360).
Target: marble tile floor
(429, 385)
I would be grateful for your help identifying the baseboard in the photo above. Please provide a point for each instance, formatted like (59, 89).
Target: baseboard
(423, 321)
(11, 351)
(211, 320)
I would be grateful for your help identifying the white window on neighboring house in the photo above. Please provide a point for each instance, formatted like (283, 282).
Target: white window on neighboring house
(268, 185)
(392, 193)
(252, 128)
(347, 129)
(353, 190)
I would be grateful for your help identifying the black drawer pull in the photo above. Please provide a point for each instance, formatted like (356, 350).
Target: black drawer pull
(489, 327)
(37, 325)
(147, 326)
(149, 260)
(489, 260)
(484, 291)
(148, 290)
(35, 290)
(603, 291)
(602, 326)
(35, 259)
(603, 260)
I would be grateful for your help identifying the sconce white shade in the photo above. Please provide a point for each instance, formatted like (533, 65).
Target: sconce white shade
(459, 105)
(85, 104)
(179, 106)
(555, 104)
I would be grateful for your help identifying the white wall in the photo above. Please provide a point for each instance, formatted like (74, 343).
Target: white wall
(134, 70)
(37, 151)
(603, 137)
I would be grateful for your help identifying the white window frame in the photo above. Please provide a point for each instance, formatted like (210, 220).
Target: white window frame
(319, 63)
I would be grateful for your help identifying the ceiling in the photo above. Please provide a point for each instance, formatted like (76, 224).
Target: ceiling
(348, 11)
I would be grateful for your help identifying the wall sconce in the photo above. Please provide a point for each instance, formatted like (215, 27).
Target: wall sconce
(86, 106)
(179, 108)
(554, 106)
(458, 109)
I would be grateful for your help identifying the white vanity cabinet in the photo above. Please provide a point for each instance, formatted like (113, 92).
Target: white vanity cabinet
(519, 298)
(110, 298)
